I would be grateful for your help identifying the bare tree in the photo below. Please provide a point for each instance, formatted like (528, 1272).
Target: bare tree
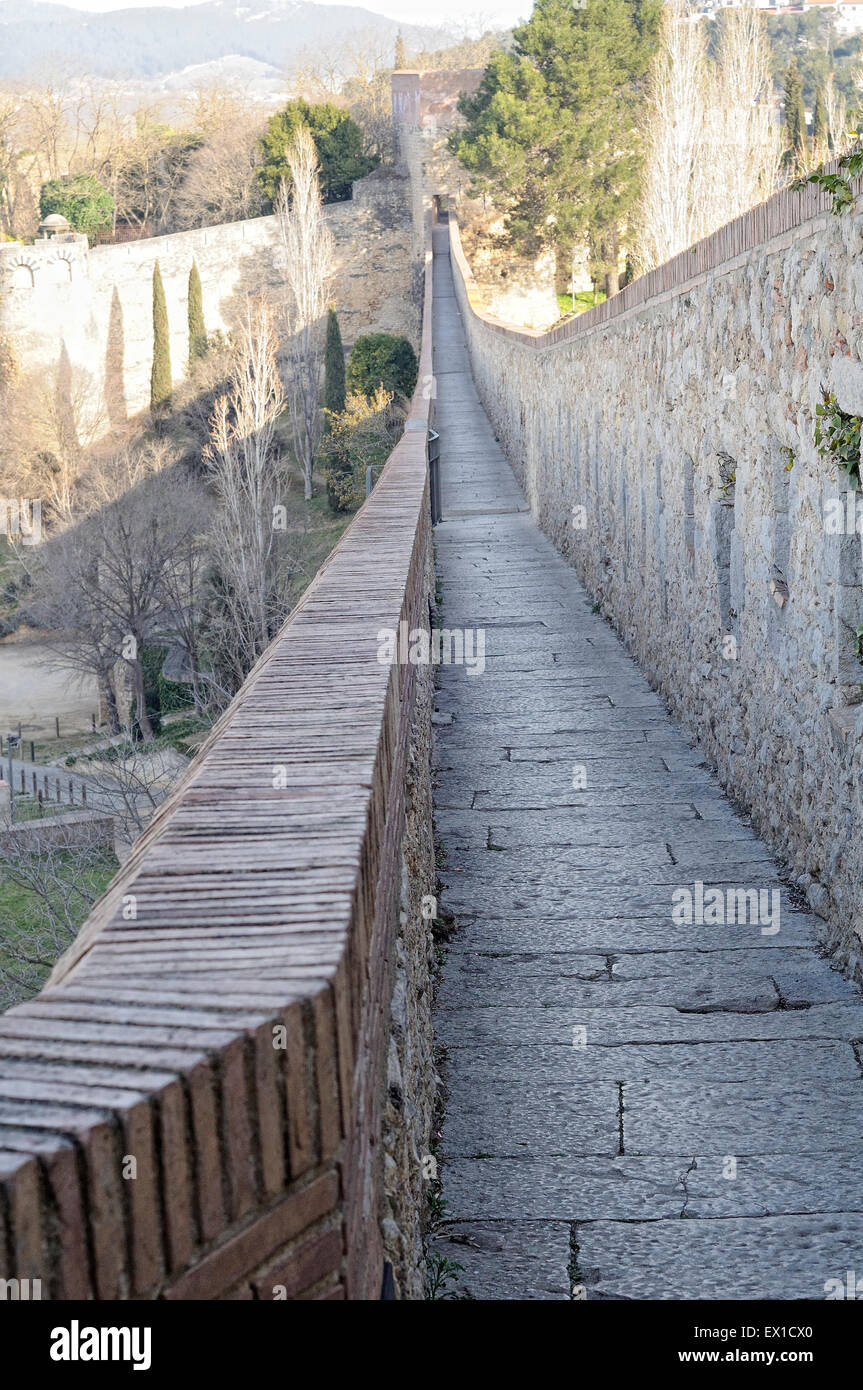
(743, 140)
(100, 586)
(836, 111)
(221, 182)
(307, 262)
(711, 136)
(61, 882)
(248, 477)
(669, 217)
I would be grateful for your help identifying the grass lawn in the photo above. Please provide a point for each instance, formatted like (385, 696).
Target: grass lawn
(26, 920)
(584, 299)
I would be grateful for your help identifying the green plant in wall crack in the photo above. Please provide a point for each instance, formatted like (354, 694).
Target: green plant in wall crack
(837, 437)
(442, 1271)
(838, 185)
(858, 643)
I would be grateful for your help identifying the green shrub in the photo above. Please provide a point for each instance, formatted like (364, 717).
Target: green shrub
(382, 359)
(87, 206)
(364, 434)
(338, 141)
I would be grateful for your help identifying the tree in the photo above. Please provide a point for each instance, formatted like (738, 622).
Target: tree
(221, 181)
(197, 328)
(551, 132)
(338, 141)
(161, 384)
(711, 148)
(382, 359)
(362, 435)
(796, 135)
(58, 880)
(150, 170)
(247, 476)
(334, 369)
(820, 128)
(401, 56)
(81, 199)
(669, 215)
(101, 585)
(306, 258)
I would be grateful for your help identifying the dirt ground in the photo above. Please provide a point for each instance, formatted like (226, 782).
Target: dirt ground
(33, 691)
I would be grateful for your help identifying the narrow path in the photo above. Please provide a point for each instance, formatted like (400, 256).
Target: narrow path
(608, 1071)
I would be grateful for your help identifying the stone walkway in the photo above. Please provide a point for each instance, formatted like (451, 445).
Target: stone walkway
(635, 1109)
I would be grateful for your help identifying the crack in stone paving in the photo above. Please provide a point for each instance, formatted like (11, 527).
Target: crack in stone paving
(683, 1183)
(595, 1045)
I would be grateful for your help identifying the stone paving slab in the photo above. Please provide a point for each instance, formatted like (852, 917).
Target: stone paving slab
(467, 1027)
(649, 1188)
(763, 1063)
(653, 931)
(604, 1166)
(781, 1257)
(509, 1260)
(727, 981)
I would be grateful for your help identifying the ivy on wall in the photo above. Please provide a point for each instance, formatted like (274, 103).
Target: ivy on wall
(837, 437)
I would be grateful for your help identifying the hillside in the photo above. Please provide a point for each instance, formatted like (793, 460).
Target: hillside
(37, 39)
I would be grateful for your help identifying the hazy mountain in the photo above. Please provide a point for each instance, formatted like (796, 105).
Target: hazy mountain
(38, 39)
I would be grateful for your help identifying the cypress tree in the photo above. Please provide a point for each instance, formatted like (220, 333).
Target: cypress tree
(551, 131)
(197, 329)
(820, 129)
(401, 58)
(161, 385)
(796, 135)
(334, 369)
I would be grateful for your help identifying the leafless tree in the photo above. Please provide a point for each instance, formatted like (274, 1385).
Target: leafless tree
(221, 182)
(248, 478)
(100, 585)
(61, 882)
(742, 134)
(306, 247)
(711, 137)
(669, 215)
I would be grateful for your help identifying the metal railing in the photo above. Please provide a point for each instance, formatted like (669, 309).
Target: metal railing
(434, 475)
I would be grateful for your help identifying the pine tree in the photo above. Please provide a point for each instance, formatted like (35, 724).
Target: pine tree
(796, 136)
(551, 132)
(161, 385)
(197, 328)
(401, 57)
(334, 369)
(820, 128)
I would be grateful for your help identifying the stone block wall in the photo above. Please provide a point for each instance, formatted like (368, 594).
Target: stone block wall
(84, 316)
(665, 441)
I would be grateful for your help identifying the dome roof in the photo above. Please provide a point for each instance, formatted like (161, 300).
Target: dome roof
(54, 222)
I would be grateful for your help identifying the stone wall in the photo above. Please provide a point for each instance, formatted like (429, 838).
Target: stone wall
(665, 441)
(85, 316)
(71, 830)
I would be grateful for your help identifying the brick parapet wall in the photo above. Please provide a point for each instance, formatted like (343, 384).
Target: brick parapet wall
(257, 908)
